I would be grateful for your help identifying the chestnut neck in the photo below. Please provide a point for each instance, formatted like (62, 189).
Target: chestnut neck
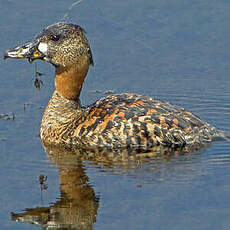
(68, 81)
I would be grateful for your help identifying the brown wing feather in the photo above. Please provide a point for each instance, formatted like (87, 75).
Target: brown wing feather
(138, 121)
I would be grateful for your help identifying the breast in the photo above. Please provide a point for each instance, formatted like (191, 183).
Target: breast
(128, 120)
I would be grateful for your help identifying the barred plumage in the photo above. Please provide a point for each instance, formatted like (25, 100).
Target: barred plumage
(123, 120)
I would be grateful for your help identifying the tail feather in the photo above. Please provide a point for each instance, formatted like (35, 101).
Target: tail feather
(221, 135)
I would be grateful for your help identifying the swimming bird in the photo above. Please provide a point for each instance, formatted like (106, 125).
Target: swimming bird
(116, 121)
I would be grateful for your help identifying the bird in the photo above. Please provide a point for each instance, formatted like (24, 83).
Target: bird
(117, 121)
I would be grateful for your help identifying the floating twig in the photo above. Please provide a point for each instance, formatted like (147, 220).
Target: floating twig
(7, 116)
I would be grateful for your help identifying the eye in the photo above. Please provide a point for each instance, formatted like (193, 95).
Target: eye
(55, 37)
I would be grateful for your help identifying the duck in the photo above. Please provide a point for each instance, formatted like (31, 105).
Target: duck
(117, 121)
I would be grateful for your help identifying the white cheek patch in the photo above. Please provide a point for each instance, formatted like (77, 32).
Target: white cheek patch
(42, 47)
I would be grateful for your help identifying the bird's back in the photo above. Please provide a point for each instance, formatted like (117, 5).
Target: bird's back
(129, 120)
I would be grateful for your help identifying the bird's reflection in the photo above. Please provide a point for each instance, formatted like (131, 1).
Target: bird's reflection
(78, 204)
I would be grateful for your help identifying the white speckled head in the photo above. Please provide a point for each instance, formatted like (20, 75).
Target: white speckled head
(61, 44)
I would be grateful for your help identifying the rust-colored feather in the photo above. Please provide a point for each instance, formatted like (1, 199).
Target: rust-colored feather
(124, 120)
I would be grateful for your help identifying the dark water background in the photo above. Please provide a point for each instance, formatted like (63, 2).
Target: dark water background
(177, 51)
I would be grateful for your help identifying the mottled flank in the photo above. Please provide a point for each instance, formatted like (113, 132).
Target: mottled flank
(125, 120)
(117, 121)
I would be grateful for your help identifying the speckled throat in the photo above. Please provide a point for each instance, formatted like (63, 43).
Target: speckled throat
(59, 119)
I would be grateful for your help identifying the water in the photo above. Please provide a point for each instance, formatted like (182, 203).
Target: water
(173, 50)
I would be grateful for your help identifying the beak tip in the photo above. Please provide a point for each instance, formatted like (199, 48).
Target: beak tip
(5, 55)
